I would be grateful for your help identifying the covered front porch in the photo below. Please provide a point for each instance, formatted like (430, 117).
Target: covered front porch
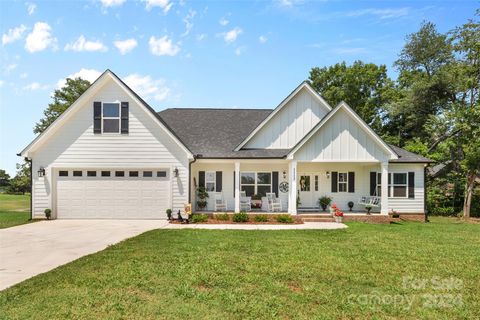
(297, 186)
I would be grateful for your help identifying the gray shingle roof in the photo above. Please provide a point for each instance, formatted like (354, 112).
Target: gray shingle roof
(214, 133)
(407, 156)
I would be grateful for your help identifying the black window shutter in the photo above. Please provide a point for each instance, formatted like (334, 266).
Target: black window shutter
(351, 182)
(334, 181)
(201, 179)
(124, 117)
(373, 183)
(218, 181)
(97, 117)
(275, 182)
(411, 185)
(234, 184)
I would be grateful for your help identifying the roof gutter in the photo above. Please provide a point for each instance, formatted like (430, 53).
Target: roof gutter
(31, 186)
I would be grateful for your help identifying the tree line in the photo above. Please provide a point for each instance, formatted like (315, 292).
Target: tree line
(431, 108)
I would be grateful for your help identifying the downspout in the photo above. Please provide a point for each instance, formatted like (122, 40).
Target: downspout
(31, 187)
(190, 178)
(425, 193)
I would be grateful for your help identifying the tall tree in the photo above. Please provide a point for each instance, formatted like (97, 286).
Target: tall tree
(364, 86)
(4, 178)
(423, 84)
(62, 99)
(21, 182)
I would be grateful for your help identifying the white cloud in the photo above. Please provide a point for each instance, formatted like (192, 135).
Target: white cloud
(112, 3)
(1, 83)
(82, 44)
(288, 3)
(201, 36)
(387, 13)
(24, 75)
(262, 39)
(31, 7)
(13, 34)
(232, 35)
(163, 46)
(240, 50)
(349, 50)
(86, 74)
(147, 87)
(40, 38)
(188, 22)
(165, 5)
(10, 67)
(125, 46)
(223, 21)
(35, 86)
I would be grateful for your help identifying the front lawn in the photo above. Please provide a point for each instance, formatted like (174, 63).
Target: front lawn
(14, 210)
(363, 272)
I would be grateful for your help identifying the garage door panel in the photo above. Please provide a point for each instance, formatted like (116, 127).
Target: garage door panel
(112, 197)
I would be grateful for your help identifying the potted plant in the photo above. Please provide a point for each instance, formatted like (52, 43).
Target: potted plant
(350, 205)
(336, 213)
(368, 207)
(169, 214)
(324, 202)
(202, 196)
(48, 213)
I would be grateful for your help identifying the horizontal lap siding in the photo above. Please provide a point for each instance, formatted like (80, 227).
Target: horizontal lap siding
(74, 145)
(405, 205)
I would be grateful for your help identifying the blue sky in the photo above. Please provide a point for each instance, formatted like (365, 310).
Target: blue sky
(193, 53)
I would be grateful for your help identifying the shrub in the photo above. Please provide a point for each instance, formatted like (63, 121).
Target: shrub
(48, 213)
(261, 218)
(198, 218)
(242, 216)
(284, 218)
(222, 217)
(442, 211)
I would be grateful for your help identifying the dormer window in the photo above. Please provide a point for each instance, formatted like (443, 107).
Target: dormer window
(110, 117)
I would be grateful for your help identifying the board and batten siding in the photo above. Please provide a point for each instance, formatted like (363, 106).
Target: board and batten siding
(341, 139)
(75, 145)
(408, 205)
(291, 123)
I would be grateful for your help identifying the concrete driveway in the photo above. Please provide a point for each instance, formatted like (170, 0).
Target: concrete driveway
(35, 248)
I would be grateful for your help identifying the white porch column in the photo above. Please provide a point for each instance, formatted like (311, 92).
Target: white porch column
(292, 187)
(237, 187)
(384, 186)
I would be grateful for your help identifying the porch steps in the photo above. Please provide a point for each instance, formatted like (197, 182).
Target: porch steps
(316, 218)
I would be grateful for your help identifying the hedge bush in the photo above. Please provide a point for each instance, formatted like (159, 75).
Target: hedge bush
(284, 218)
(197, 218)
(261, 218)
(240, 217)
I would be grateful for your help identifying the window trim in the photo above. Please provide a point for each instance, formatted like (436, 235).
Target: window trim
(256, 184)
(346, 182)
(209, 181)
(119, 118)
(392, 184)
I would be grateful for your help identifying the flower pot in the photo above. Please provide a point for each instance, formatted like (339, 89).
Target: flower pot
(324, 208)
(338, 219)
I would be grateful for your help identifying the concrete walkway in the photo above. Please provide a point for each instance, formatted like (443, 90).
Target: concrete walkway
(305, 226)
(35, 248)
(31, 249)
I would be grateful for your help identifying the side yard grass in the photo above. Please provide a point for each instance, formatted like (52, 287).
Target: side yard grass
(400, 271)
(14, 210)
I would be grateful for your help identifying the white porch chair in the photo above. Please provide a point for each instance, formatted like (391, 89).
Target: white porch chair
(274, 204)
(245, 203)
(220, 203)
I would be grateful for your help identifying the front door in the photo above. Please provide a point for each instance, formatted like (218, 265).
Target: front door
(305, 190)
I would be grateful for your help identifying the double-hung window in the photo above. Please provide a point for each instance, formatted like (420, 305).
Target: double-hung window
(256, 183)
(111, 117)
(397, 184)
(210, 180)
(342, 181)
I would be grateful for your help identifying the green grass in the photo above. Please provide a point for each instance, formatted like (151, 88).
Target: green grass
(14, 210)
(200, 274)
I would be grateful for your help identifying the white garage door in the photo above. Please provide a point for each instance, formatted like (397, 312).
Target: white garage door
(113, 194)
